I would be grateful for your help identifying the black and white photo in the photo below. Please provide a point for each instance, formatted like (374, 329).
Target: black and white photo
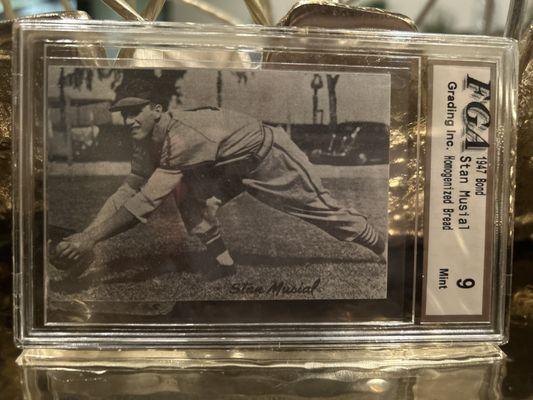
(197, 185)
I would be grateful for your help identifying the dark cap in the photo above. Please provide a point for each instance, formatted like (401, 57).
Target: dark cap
(128, 102)
(135, 92)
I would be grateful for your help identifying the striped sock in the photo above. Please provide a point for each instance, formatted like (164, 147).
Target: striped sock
(216, 246)
(371, 240)
(213, 241)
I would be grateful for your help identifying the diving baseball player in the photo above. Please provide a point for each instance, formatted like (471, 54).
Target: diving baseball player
(204, 158)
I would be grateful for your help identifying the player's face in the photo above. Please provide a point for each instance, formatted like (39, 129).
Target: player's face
(141, 121)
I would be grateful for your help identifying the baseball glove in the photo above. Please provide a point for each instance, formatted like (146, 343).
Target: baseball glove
(55, 236)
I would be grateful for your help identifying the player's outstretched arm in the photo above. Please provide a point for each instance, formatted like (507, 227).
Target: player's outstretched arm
(75, 246)
(131, 186)
(119, 222)
(136, 209)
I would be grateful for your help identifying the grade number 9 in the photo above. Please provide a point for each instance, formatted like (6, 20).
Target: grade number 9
(467, 283)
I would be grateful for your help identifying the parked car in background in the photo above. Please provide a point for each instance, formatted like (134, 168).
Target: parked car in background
(352, 143)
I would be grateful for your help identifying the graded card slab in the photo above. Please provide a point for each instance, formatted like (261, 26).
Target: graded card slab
(258, 186)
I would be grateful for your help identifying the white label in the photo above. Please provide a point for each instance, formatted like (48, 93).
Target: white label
(460, 132)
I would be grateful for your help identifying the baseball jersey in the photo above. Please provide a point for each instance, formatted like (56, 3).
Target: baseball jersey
(192, 138)
(209, 136)
(146, 154)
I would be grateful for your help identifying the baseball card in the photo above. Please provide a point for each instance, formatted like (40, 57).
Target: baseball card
(186, 185)
(167, 187)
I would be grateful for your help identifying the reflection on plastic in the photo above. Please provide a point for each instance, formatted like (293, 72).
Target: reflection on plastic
(394, 374)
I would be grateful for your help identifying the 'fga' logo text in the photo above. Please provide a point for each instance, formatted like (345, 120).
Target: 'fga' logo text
(476, 115)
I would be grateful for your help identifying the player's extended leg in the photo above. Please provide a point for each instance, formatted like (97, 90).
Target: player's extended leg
(285, 180)
(198, 212)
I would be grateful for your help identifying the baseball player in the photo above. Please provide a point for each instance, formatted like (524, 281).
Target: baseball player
(204, 158)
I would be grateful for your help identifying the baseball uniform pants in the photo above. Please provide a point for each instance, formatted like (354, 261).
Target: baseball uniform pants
(285, 180)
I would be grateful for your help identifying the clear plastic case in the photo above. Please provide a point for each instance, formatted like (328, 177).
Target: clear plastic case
(186, 185)
(420, 371)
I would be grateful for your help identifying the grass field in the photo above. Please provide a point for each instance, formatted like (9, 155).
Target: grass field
(159, 263)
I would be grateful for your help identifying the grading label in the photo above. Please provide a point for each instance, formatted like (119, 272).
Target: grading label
(457, 267)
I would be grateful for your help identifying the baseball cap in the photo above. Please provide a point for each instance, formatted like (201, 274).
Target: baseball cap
(134, 93)
(128, 102)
